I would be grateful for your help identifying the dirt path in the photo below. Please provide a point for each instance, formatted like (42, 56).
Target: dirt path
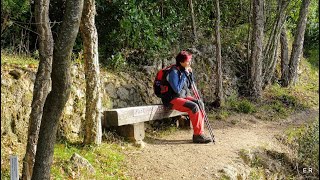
(176, 157)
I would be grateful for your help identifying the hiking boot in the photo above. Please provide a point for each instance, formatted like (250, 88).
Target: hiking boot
(200, 139)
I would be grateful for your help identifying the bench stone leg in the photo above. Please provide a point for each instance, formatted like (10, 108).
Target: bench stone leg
(183, 122)
(134, 132)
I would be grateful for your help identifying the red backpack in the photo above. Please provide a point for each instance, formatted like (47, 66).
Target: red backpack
(160, 84)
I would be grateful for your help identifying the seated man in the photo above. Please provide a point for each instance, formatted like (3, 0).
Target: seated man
(176, 97)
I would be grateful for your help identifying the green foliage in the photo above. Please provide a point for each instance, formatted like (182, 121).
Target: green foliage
(245, 106)
(235, 37)
(233, 13)
(237, 104)
(313, 58)
(287, 97)
(14, 8)
(308, 145)
(288, 100)
(311, 39)
(240, 104)
(117, 61)
(279, 108)
(304, 141)
(232, 101)
(278, 103)
(15, 27)
(137, 28)
(223, 114)
(257, 173)
(293, 15)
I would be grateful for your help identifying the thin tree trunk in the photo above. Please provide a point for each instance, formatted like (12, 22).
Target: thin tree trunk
(271, 48)
(284, 58)
(256, 52)
(219, 87)
(249, 40)
(59, 95)
(93, 131)
(193, 22)
(298, 42)
(42, 84)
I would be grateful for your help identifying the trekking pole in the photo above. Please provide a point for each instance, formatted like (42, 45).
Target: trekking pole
(206, 120)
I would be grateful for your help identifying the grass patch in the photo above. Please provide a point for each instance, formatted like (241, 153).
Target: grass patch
(106, 159)
(233, 104)
(304, 141)
(19, 60)
(268, 164)
(223, 114)
(245, 106)
(240, 105)
(279, 102)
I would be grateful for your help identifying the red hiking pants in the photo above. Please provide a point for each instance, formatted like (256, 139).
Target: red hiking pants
(191, 106)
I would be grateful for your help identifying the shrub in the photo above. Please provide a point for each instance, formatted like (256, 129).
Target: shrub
(246, 106)
(279, 109)
(308, 146)
(304, 141)
(288, 100)
(116, 61)
(232, 101)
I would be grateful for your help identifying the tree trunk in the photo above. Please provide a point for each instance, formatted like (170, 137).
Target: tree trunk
(93, 129)
(270, 57)
(284, 58)
(193, 22)
(256, 52)
(42, 85)
(219, 87)
(249, 40)
(298, 42)
(59, 95)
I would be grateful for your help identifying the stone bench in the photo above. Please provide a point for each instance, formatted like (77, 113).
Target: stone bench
(129, 122)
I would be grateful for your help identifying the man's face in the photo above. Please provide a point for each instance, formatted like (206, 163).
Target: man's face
(186, 63)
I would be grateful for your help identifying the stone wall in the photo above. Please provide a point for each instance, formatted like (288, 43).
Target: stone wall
(16, 97)
(119, 90)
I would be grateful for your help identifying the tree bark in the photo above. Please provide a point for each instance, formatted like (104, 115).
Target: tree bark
(93, 129)
(270, 57)
(284, 58)
(298, 42)
(219, 87)
(42, 85)
(256, 52)
(59, 95)
(249, 39)
(193, 22)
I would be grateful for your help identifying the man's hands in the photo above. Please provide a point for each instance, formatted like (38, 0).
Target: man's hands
(188, 70)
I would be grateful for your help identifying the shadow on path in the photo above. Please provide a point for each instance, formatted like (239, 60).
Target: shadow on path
(157, 141)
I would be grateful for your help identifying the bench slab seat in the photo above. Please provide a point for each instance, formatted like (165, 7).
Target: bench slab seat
(129, 122)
